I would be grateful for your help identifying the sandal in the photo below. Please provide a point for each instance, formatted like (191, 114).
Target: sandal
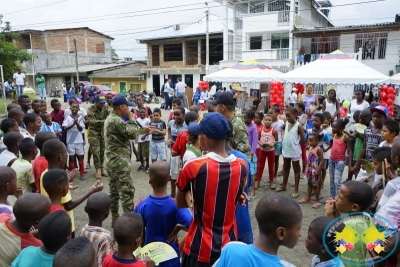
(295, 195)
(316, 205)
(303, 201)
(272, 187)
(279, 189)
(252, 198)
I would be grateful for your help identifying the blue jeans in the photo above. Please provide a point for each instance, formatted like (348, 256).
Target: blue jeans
(335, 172)
(42, 92)
(183, 97)
(21, 89)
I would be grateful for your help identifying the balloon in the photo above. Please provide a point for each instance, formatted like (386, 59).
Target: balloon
(272, 92)
(384, 96)
(346, 104)
(390, 113)
(391, 96)
(275, 88)
(383, 103)
(391, 90)
(391, 108)
(279, 100)
(274, 97)
(342, 113)
(279, 84)
(79, 100)
(389, 102)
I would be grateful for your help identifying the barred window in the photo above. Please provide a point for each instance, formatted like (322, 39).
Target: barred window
(373, 45)
(324, 45)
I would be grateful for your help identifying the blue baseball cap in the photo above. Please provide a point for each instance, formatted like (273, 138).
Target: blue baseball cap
(381, 109)
(101, 99)
(213, 125)
(121, 100)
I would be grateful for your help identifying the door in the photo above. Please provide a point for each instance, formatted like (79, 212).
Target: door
(189, 80)
(122, 87)
(135, 87)
(156, 84)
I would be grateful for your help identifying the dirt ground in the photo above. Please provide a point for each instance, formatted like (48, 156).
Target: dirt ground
(298, 256)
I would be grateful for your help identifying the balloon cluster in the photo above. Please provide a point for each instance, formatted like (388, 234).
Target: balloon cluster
(387, 95)
(299, 87)
(203, 84)
(343, 110)
(276, 95)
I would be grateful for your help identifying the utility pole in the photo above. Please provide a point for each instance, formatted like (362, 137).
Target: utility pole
(207, 43)
(76, 63)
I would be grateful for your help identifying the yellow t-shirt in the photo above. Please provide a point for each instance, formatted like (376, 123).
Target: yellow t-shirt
(65, 199)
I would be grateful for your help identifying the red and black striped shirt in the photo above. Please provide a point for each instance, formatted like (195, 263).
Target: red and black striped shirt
(217, 185)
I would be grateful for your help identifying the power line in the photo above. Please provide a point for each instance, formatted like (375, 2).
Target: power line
(35, 7)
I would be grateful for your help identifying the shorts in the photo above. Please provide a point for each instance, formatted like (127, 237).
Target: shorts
(293, 159)
(158, 151)
(143, 149)
(278, 149)
(326, 164)
(174, 167)
(253, 165)
(76, 149)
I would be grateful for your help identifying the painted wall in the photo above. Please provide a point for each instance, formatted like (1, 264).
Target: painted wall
(115, 83)
(196, 77)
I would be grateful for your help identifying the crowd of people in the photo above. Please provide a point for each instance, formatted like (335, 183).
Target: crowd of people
(215, 164)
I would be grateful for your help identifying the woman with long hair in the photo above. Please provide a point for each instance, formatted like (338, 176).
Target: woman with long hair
(358, 103)
(311, 103)
(331, 105)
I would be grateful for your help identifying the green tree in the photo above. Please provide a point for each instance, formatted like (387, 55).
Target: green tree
(11, 56)
(114, 54)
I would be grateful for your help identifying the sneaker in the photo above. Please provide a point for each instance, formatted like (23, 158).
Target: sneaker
(141, 167)
(146, 169)
(82, 177)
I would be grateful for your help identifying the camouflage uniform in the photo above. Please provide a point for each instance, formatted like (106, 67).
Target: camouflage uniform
(96, 121)
(240, 140)
(118, 135)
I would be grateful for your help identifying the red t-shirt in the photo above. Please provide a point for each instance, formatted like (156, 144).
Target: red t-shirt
(54, 208)
(215, 200)
(39, 165)
(57, 117)
(180, 144)
(113, 261)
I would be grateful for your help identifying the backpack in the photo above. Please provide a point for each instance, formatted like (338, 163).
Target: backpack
(162, 89)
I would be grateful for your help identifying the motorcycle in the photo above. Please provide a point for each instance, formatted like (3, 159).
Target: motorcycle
(54, 92)
(148, 98)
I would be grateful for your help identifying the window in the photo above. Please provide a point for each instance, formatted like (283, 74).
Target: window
(324, 45)
(135, 87)
(106, 84)
(256, 7)
(173, 52)
(274, 5)
(373, 45)
(279, 40)
(100, 48)
(155, 55)
(255, 42)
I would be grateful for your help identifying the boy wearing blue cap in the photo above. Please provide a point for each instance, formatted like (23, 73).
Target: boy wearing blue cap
(211, 230)
(372, 139)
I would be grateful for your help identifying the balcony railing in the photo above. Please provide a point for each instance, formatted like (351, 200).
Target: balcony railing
(308, 58)
(283, 16)
(274, 54)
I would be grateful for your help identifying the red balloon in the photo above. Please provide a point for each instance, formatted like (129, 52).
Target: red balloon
(342, 113)
(279, 83)
(391, 96)
(279, 100)
(391, 90)
(389, 102)
(383, 103)
(391, 108)
(274, 97)
(390, 114)
(275, 88)
(384, 96)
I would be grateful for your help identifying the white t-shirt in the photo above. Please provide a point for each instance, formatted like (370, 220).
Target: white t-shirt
(278, 128)
(143, 122)
(180, 87)
(74, 136)
(82, 112)
(5, 157)
(382, 144)
(354, 107)
(19, 78)
(293, 98)
(25, 178)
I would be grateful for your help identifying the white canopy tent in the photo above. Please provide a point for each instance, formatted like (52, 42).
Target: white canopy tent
(249, 71)
(395, 79)
(336, 68)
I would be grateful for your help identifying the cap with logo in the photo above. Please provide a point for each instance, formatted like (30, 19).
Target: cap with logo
(381, 109)
(226, 98)
(121, 100)
(213, 125)
(101, 99)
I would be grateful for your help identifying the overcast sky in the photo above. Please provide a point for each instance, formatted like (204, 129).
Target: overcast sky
(127, 20)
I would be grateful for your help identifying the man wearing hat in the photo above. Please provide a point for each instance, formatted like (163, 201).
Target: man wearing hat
(118, 135)
(97, 114)
(225, 104)
(214, 199)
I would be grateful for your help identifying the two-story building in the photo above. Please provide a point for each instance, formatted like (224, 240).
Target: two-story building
(182, 57)
(55, 54)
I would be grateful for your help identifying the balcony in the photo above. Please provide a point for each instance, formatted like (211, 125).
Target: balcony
(269, 54)
(308, 58)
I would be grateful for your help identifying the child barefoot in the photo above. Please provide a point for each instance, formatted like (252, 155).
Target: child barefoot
(315, 165)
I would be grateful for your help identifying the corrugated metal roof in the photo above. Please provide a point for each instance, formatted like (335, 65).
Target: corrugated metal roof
(124, 71)
(63, 29)
(348, 27)
(81, 68)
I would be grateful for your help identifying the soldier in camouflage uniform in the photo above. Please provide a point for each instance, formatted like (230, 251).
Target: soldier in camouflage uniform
(118, 135)
(225, 104)
(97, 114)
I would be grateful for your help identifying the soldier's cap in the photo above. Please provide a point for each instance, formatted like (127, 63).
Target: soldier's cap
(226, 98)
(213, 125)
(121, 100)
(100, 98)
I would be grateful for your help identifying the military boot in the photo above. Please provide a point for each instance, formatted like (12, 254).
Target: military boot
(98, 174)
(104, 172)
